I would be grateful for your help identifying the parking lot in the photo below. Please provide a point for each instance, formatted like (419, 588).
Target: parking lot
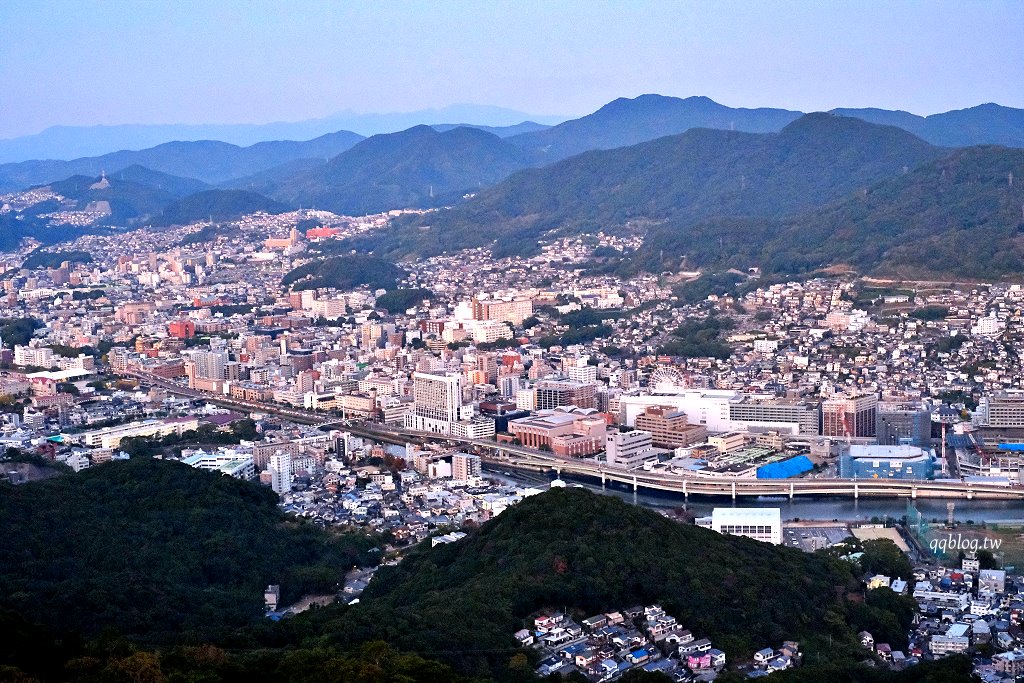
(813, 538)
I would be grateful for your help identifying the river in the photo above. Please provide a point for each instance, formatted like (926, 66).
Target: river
(822, 508)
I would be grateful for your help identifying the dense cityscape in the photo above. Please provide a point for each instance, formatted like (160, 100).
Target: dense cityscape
(357, 383)
(133, 343)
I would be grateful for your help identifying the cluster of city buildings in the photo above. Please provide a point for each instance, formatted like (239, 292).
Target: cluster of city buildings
(824, 376)
(961, 610)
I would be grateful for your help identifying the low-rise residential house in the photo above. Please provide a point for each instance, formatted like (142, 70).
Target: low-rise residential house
(698, 661)
(1009, 663)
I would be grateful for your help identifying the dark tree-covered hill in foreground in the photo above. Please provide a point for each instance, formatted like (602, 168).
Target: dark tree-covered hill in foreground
(176, 558)
(157, 551)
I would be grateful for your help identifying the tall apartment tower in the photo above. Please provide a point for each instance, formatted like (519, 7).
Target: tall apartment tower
(465, 466)
(438, 397)
(849, 416)
(281, 472)
(437, 402)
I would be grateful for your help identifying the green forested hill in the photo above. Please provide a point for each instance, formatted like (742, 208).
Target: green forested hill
(178, 557)
(685, 178)
(157, 551)
(960, 215)
(175, 185)
(217, 205)
(344, 272)
(413, 168)
(569, 548)
(129, 200)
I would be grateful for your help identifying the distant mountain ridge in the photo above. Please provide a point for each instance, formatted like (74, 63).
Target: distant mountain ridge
(209, 161)
(690, 177)
(990, 124)
(419, 167)
(625, 122)
(71, 142)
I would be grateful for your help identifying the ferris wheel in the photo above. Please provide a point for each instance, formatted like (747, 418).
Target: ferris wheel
(666, 380)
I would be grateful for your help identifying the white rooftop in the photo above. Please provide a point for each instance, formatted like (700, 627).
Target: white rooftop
(763, 515)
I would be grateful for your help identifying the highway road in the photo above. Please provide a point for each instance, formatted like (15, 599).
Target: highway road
(702, 485)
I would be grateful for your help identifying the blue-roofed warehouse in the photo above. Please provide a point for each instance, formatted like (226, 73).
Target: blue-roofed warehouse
(784, 469)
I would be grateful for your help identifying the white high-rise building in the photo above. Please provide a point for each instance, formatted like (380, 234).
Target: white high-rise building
(437, 403)
(707, 407)
(281, 472)
(41, 356)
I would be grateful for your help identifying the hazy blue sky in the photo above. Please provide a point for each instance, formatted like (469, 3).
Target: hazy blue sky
(215, 61)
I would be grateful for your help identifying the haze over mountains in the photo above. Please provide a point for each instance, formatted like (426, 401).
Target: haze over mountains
(207, 160)
(655, 162)
(71, 142)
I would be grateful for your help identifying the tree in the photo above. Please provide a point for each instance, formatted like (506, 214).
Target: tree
(986, 560)
(882, 556)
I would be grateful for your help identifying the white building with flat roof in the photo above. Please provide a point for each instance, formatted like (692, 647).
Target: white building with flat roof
(228, 462)
(707, 407)
(761, 524)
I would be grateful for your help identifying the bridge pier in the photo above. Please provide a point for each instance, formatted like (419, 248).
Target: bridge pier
(635, 486)
(970, 494)
(856, 490)
(734, 490)
(913, 492)
(602, 479)
(791, 491)
(686, 494)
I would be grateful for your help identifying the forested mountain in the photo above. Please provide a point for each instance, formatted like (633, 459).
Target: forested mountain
(588, 553)
(172, 184)
(626, 121)
(417, 167)
(960, 215)
(216, 205)
(690, 177)
(344, 272)
(128, 200)
(157, 551)
(206, 160)
(177, 558)
(990, 124)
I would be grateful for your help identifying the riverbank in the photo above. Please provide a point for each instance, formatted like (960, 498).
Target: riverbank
(820, 508)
